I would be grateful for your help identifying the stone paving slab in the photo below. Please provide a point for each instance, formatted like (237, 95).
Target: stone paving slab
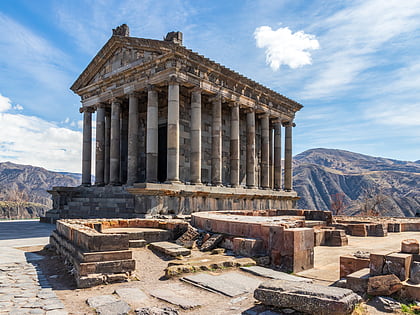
(231, 284)
(133, 296)
(170, 249)
(176, 294)
(273, 274)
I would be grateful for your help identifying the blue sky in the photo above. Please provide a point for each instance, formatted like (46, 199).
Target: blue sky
(354, 65)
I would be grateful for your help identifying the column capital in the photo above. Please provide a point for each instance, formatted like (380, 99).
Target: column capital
(85, 109)
(232, 103)
(264, 115)
(216, 98)
(115, 100)
(100, 105)
(249, 110)
(134, 93)
(288, 123)
(196, 89)
(151, 87)
(276, 120)
(173, 79)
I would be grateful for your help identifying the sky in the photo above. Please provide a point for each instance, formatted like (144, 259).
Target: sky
(353, 65)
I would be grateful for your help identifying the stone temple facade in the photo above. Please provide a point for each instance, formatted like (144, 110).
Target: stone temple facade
(176, 133)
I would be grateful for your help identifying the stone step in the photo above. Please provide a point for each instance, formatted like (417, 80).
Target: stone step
(170, 249)
(150, 235)
(273, 274)
(358, 281)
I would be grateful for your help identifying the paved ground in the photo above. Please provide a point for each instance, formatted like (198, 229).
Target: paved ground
(23, 287)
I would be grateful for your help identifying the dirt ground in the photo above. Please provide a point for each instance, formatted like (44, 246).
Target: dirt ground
(149, 274)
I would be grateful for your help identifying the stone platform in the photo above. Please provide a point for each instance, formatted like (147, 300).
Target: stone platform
(145, 199)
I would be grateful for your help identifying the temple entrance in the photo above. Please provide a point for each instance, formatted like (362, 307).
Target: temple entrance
(162, 152)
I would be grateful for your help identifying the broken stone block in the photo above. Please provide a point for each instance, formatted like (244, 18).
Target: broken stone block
(114, 308)
(307, 297)
(170, 249)
(248, 247)
(358, 281)
(410, 246)
(212, 242)
(383, 285)
(156, 311)
(187, 239)
(398, 264)
(385, 304)
(377, 262)
(415, 272)
(350, 264)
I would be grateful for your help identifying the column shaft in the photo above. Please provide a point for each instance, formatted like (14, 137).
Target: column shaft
(265, 151)
(114, 163)
(288, 184)
(216, 138)
(133, 131)
(195, 163)
(152, 136)
(277, 155)
(123, 145)
(271, 156)
(234, 146)
(173, 133)
(107, 145)
(87, 147)
(100, 146)
(250, 149)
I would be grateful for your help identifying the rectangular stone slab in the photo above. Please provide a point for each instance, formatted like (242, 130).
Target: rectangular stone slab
(307, 297)
(230, 284)
(170, 249)
(175, 296)
(273, 274)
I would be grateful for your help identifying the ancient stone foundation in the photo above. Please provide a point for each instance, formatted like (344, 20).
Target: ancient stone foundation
(98, 251)
(147, 199)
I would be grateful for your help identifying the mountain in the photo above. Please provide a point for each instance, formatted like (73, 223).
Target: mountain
(320, 175)
(26, 186)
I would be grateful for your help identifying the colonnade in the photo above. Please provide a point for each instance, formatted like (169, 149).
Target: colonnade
(108, 143)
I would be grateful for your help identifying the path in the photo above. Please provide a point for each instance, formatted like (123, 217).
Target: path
(23, 287)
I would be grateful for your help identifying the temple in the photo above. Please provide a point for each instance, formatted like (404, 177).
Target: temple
(176, 133)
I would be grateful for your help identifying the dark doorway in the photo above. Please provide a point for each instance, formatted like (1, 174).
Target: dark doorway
(162, 152)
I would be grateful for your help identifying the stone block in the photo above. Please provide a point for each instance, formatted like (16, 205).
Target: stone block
(350, 264)
(410, 246)
(335, 238)
(117, 266)
(306, 297)
(137, 243)
(410, 291)
(248, 247)
(358, 230)
(319, 237)
(212, 242)
(415, 272)
(358, 281)
(377, 262)
(106, 256)
(170, 249)
(384, 285)
(398, 264)
(187, 239)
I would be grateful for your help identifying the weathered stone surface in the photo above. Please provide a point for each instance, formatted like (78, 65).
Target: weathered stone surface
(385, 304)
(156, 311)
(212, 242)
(377, 262)
(358, 281)
(383, 285)
(97, 301)
(415, 272)
(187, 239)
(131, 295)
(170, 249)
(350, 264)
(230, 284)
(307, 297)
(114, 308)
(137, 243)
(398, 264)
(410, 246)
(273, 274)
(171, 296)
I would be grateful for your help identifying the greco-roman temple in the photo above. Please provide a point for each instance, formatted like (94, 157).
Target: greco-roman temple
(176, 133)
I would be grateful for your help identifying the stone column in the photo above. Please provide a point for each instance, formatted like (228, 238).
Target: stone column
(234, 146)
(216, 141)
(107, 145)
(195, 163)
(87, 146)
(173, 131)
(271, 156)
(100, 145)
(250, 148)
(152, 135)
(277, 154)
(133, 131)
(288, 176)
(114, 163)
(265, 151)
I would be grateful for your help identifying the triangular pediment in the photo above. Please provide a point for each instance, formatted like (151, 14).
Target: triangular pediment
(117, 55)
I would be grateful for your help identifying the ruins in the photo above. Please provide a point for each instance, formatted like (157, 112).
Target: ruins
(176, 133)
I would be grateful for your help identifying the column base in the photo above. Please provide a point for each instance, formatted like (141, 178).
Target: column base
(115, 184)
(197, 183)
(176, 181)
(99, 184)
(251, 187)
(86, 184)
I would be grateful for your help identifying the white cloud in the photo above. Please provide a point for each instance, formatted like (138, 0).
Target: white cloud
(282, 47)
(31, 140)
(18, 107)
(5, 104)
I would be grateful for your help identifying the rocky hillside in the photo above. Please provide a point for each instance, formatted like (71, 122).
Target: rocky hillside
(392, 187)
(20, 184)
